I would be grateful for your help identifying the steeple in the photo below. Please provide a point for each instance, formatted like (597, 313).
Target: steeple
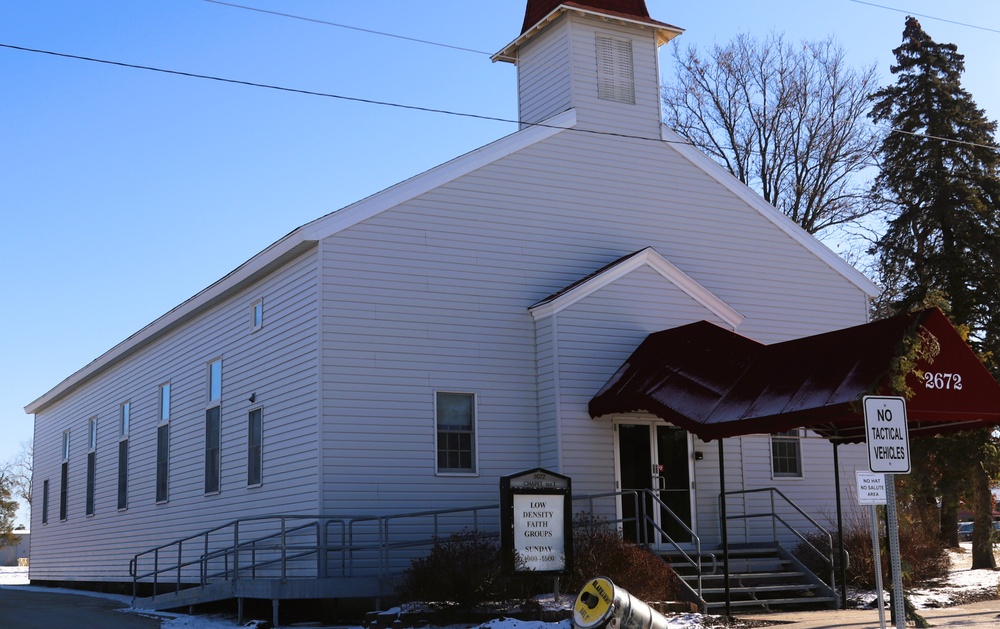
(596, 57)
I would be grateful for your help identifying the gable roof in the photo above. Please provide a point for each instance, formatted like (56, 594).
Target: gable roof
(648, 258)
(716, 383)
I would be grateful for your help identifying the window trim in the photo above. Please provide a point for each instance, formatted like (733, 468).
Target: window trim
(474, 471)
(787, 438)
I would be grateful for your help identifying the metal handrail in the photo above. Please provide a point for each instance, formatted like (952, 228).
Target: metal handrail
(695, 563)
(230, 542)
(827, 559)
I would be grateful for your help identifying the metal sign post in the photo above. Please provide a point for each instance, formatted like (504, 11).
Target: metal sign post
(871, 491)
(888, 442)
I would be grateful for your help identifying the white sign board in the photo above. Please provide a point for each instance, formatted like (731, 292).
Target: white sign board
(871, 488)
(886, 434)
(539, 531)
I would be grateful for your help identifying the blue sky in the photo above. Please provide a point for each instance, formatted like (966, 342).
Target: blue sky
(123, 192)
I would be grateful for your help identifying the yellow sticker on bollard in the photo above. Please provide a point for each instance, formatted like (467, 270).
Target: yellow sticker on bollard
(593, 604)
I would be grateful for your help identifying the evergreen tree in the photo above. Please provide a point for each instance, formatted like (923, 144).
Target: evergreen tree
(940, 182)
(8, 509)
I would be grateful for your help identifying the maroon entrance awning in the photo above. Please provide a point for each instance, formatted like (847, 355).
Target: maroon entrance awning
(716, 383)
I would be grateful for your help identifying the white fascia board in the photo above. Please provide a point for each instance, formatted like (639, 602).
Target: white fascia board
(773, 214)
(648, 257)
(439, 176)
(306, 237)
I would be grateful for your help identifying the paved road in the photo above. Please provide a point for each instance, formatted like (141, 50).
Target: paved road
(20, 609)
(981, 615)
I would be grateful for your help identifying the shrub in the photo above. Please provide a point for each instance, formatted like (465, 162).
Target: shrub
(921, 552)
(462, 570)
(465, 569)
(600, 551)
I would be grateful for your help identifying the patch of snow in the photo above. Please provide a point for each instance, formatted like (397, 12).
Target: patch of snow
(13, 575)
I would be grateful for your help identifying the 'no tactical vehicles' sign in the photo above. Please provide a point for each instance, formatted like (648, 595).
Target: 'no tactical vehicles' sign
(886, 434)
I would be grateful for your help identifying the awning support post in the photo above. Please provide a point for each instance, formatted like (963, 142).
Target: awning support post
(724, 525)
(840, 525)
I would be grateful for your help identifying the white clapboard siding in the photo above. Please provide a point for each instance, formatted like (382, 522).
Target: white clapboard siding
(434, 295)
(544, 79)
(278, 363)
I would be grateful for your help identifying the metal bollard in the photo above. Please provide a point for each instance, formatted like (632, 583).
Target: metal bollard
(601, 605)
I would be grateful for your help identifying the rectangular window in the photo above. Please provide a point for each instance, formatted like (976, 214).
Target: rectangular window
(255, 459)
(124, 417)
(91, 463)
(162, 461)
(615, 74)
(212, 442)
(215, 380)
(257, 315)
(164, 402)
(63, 491)
(163, 446)
(123, 474)
(45, 501)
(64, 478)
(786, 454)
(456, 432)
(91, 479)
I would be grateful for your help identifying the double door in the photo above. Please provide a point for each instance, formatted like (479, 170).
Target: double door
(655, 460)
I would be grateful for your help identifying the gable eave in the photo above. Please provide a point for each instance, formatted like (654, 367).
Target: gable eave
(664, 32)
(649, 258)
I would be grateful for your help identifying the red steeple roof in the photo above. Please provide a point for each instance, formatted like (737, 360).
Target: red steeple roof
(538, 9)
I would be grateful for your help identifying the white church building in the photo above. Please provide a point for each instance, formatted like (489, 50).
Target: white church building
(400, 355)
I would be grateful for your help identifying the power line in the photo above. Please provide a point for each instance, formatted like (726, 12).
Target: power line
(349, 27)
(930, 17)
(352, 99)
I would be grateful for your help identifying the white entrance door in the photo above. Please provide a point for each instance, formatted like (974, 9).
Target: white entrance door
(654, 459)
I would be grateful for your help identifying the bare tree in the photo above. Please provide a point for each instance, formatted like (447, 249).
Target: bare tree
(20, 471)
(789, 121)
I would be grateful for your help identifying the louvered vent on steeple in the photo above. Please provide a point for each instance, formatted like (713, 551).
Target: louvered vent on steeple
(615, 75)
